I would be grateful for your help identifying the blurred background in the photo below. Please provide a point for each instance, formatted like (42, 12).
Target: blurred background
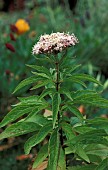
(21, 24)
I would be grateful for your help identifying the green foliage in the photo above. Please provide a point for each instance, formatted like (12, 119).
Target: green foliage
(86, 140)
(53, 150)
(91, 139)
(19, 128)
(55, 107)
(34, 140)
(42, 154)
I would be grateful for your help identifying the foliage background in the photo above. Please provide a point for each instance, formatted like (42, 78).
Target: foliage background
(89, 23)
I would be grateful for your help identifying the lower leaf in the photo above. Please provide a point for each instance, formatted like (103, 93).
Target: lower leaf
(35, 139)
(42, 154)
(53, 150)
(18, 129)
(80, 151)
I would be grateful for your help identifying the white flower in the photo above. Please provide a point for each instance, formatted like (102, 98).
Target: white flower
(54, 43)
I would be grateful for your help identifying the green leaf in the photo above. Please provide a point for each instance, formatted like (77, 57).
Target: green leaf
(26, 106)
(69, 150)
(37, 118)
(46, 92)
(83, 167)
(79, 94)
(35, 139)
(55, 107)
(83, 129)
(31, 101)
(41, 75)
(40, 84)
(40, 69)
(91, 137)
(100, 123)
(66, 92)
(70, 70)
(93, 101)
(75, 80)
(89, 97)
(15, 114)
(42, 154)
(85, 77)
(61, 161)
(80, 151)
(28, 81)
(75, 111)
(103, 165)
(18, 129)
(68, 131)
(97, 149)
(33, 98)
(53, 150)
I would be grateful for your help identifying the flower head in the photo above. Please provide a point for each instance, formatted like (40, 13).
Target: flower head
(22, 26)
(54, 43)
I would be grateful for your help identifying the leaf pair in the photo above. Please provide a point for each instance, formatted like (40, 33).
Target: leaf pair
(56, 157)
(79, 78)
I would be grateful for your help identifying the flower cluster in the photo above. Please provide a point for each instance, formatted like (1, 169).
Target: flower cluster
(54, 43)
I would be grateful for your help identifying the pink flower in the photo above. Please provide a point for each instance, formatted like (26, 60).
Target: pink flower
(54, 43)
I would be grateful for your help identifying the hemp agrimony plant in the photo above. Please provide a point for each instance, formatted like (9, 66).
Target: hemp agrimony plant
(76, 143)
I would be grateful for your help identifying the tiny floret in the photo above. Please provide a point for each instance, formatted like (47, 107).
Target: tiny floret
(54, 43)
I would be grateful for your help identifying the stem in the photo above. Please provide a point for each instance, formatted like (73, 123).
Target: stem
(57, 88)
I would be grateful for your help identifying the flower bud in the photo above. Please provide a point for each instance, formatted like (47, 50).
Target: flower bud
(10, 47)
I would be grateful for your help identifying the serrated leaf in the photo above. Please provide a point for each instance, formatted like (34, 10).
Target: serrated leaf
(69, 69)
(55, 107)
(35, 139)
(66, 92)
(61, 161)
(73, 68)
(31, 101)
(89, 97)
(18, 129)
(53, 150)
(75, 80)
(40, 84)
(97, 149)
(86, 77)
(15, 114)
(93, 101)
(40, 69)
(75, 111)
(90, 137)
(103, 165)
(41, 75)
(80, 151)
(28, 81)
(101, 123)
(83, 167)
(46, 92)
(33, 98)
(42, 154)
(37, 118)
(68, 131)
(69, 150)
(83, 93)
(83, 129)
